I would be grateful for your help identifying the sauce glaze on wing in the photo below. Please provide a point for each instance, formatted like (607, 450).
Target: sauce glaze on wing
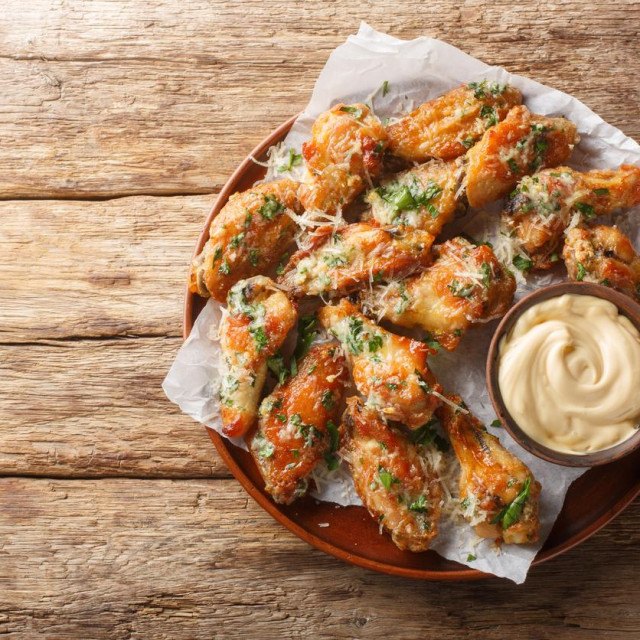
(342, 261)
(259, 317)
(390, 370)
(246, 238)
(543, 205)
(465, 285)
(518, 146)
(394, 482)
(449, 125)
(300, 423)
(603, 255)
(344, 154)
(492, 479)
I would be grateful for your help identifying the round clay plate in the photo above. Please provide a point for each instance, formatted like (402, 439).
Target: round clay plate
(352, 535)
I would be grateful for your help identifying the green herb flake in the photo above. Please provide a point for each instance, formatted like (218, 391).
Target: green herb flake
(582, 272)
(513, 165)
(266, 450)
(470, 557)
(224, 268)
(328, 401)
(489, 114)
(586, 210)
(522, 263)
(485, 271)
(419, 505)
(386, 478)
(459, 290)
(260, 337)
(217, 254)
(468, 142)
(427, 435)
(354, 111)
(554, 257)
(332, 461)
(601, 192)
(307, 333)
(510, 514)
(496, 423)
(293, 160)
(277, 365)
(334, 434)
(385, 88)
(271, 207)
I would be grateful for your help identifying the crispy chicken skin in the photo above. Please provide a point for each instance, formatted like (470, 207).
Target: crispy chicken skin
(344, 154)
(390, 370)
(393, 481)
(447, 126)
(604, 255)
(258, 320)
(544, 204)
(423, 197)
(300, 423)
(491, 480)
(464, 286)
(518, 146)
(246, 238)
(343, 261)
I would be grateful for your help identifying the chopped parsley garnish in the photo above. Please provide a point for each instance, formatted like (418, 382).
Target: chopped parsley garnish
(354, 338)
(386, 478)
(334, 435)
(586, 210)
(281, 264)
(427, 435)
(354, 111)
(468, 142)
(582, 272)
(554, 257)
(374, 343)
(480, 89)
(465, 503)
(485, 270)
(422, 383)
(237, 241)
(266, 449)
(489, 114)
(470, 557)
(328, 401)
(260, 337)
(513, 165)
(601, 192)
(459, 290)
(307, 333)
(522, 263)
(254, 257)
(271, 207)
(385, 88)
(277, 365)
(510, 514)
(248, 218)
(496, 423)
(293, 160)
(224, 268)
(431, 342)
(392, 386)
(403, 197)
(607, 283)
(419, 505)
(334, 260)
(332, 461)
(217, 254)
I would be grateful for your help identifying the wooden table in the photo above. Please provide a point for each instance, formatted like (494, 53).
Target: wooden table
(119, 123)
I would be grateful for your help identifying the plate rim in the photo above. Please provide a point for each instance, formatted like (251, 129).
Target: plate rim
(223, 447)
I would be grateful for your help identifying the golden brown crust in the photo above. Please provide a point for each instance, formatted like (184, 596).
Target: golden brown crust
(604, 255)
(520, 145)
(340, 262)
(300, 423)
(390, 370)
(491, 477)
(393, 481)
(447, 126)
(465, 285)
(248, 237)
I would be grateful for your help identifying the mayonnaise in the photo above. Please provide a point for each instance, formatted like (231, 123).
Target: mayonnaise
(569, 374)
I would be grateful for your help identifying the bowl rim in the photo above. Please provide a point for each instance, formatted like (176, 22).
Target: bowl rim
(626, 307)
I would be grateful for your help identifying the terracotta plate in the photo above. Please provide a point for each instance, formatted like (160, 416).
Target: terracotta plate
(352, 535)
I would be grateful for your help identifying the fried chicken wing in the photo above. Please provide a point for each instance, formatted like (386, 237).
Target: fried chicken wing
(246, 238)
(394, 482)
(464, 286)
(498, 491)
(449, 125)
(424, 197)
(518, 146)
(258, 320)
(300, 423)
(339, 262)
(604, 255)
(345, 152)
(543, 205)
(390, 370)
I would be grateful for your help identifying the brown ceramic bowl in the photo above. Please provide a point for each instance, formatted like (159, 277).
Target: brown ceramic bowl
(626, 306)
(593, 500)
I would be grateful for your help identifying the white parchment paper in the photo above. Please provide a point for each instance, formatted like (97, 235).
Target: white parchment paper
(416, 71)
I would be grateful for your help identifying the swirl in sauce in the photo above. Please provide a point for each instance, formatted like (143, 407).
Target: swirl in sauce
(569, 374)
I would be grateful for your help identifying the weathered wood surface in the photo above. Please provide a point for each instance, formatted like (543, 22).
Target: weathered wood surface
(116, 98)
(159, 97)
(199, 559)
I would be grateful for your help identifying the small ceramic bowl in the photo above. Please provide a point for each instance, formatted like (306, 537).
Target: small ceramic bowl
(626, 306)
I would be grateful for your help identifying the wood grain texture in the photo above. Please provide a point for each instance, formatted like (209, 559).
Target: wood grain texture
(198, 559)
(116, 98)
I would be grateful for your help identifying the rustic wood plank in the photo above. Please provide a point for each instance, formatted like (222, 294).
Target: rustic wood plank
(96, 408)
(198, 559)
(117, 98)
(96, 269)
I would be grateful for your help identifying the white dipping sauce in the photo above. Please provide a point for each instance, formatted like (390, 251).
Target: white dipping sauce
(569, 374)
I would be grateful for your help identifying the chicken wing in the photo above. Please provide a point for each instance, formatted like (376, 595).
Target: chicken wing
(498, 492)
(258, 320)
(300, 423)
(424, 197)
(247, 237)
(390, 370)
(543, 205)
(345, 152)
(449, 125)
(465, 285)
(339, 262)
(604, 255)
(394, 482)
(518, 146)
